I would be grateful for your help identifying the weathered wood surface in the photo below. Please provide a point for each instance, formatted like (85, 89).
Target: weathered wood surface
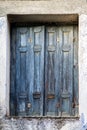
(44, 71)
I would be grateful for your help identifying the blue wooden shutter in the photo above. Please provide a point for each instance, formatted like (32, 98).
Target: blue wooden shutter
(52, 86)
(29, 70)
(66, 68)
(36, 70)
(21, 70)
(44, 71)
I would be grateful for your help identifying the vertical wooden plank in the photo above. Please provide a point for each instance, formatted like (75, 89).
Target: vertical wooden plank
(51, 80)
(12, 73)
(67, 70)
(71, 60)
(37, 50)
(23, 71)
(30, 71)
(60, 39)
(37, 69)
(42, 43)
(17, 70)
(75, 67)
(65, 61)
(28, 75)
(21, 50)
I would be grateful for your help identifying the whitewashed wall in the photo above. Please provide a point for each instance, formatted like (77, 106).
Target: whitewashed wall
(83, 65)
(43, 124)
(3, 42)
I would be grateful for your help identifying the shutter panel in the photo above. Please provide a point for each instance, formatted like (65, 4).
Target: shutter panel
(21, 67)
(27, 76)
(51, 73)
(44, 81)
(66, 65)
(36, 70)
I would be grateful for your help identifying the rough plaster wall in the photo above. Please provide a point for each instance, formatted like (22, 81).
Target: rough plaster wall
(83, 64)
(43, 7)
(39, 124)
(3, 40)
(22, 124)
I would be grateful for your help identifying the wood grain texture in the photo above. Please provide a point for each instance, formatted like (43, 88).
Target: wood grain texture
(44, 71)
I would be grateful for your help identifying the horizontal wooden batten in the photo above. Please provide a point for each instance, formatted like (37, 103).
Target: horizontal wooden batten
(65, 95)
(66, 48)
(37, 95)
(22, 49)
(51, 48)
(51, 96)
(37, 48)
(22, 95)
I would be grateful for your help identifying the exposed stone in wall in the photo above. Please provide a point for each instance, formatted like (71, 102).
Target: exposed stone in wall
(39, 124)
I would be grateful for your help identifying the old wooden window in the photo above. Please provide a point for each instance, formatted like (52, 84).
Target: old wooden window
(44, 71)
